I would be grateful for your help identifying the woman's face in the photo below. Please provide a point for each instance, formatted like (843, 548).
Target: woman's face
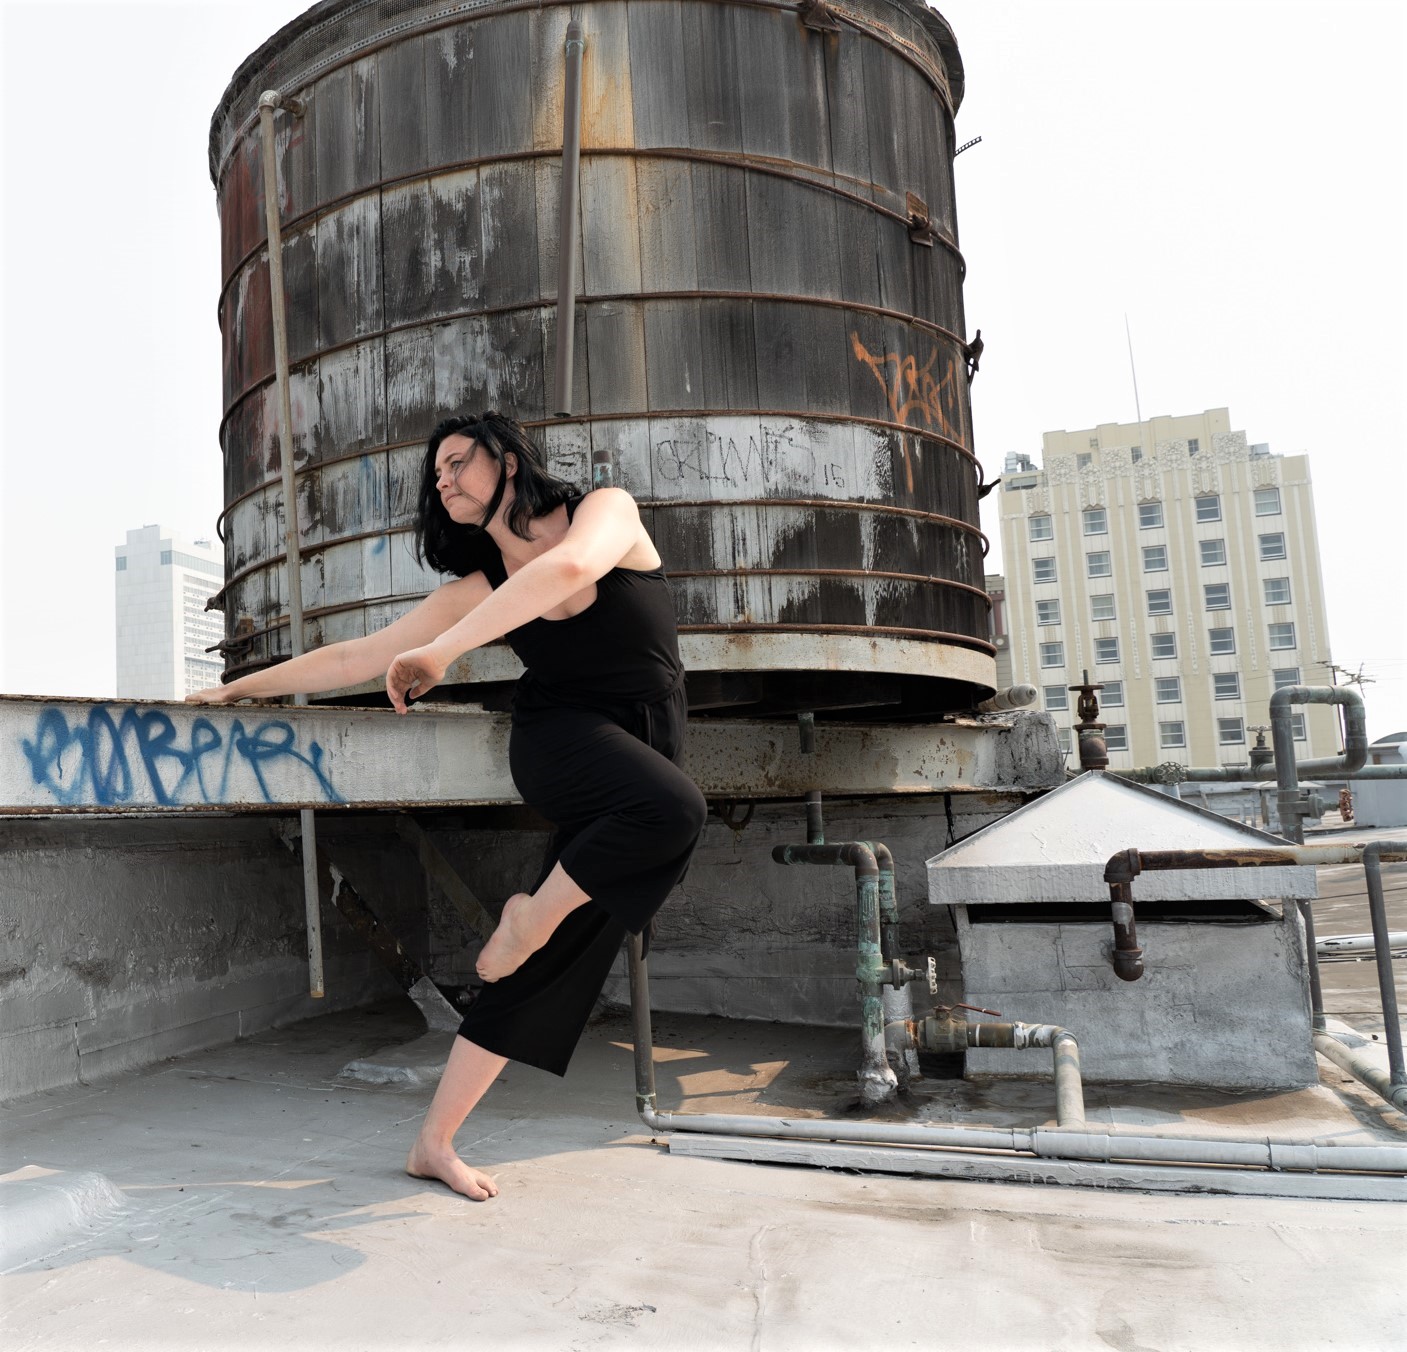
(466, 478)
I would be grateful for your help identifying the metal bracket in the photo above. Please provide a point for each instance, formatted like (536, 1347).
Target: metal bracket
(921, 228)
(817, 16)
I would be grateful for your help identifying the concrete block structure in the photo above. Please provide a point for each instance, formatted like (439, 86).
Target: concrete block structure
(1222, 1001)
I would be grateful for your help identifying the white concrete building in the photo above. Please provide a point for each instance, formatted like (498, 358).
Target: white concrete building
(1178, 565)
(163, 628)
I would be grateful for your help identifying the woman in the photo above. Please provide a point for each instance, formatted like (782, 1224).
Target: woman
(575, 584)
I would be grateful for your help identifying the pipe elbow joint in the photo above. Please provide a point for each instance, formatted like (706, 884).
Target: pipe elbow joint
(1123, 867)
(1128, 963)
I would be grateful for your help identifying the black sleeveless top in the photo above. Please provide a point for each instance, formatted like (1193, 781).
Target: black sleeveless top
(622, 649)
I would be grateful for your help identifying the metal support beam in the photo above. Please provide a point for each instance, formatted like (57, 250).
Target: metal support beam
(445, 876)
(332, 884)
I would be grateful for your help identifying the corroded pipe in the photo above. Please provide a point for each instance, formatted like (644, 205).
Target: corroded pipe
(878, 1082)
(566, 225)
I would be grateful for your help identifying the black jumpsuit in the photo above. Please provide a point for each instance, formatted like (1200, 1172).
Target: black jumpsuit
(598, 727)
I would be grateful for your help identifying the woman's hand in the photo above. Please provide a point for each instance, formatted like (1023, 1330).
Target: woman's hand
(215, 694)
(414, 673)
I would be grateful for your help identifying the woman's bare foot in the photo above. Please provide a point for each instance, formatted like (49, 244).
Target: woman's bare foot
(521, 931)
(443, 1164)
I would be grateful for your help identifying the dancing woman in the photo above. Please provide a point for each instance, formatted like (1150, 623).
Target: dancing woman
(574, 583)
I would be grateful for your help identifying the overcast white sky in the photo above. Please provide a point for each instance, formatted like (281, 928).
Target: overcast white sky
(1229, 174)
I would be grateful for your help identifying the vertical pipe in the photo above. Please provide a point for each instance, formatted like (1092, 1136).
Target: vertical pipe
(815, 822)
(644, 1037)
(1382, 949)
(898, 1001)
(877, 1080)
(566, 222)
(293, 564)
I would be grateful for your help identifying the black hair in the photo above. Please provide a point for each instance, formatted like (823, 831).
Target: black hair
(451, 548)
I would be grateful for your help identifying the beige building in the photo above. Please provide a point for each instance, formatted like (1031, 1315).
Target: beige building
(1180, 566)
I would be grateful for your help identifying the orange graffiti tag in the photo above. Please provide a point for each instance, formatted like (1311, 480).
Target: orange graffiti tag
(914, 395)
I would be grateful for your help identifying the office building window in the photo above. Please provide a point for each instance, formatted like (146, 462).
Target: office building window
(1297, 727)
(1043, 570)
(1056, 697)
(1155, 558)
(1052, 654)
(1150, 515)
(1217, 595)
(1136, 454)
(1167, 689)
(1116, 737)
(1227, 685)
(1267, 502)
(1062, 735)
(1162, 645)
(1047, 612)
(1209, 508)
(1112, 696)
(122, 565)
(1193, 446)
(1221, 641)
(1230, 731)
(1160, 602)
(1096, 521)
(1040, 528)
(1272, 547)
(1213, 552)
(1282, 636)
(1277, 591)
(1098, 564)
(1106, 650)
(1083, 460)
(1285, 676)
(1171, 735)
(1102, 607)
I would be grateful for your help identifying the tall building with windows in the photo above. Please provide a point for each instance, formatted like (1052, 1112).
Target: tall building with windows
(163, 628)
(1178, 565)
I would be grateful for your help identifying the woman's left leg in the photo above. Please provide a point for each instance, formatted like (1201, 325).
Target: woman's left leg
(467, 1076)
(528, 921)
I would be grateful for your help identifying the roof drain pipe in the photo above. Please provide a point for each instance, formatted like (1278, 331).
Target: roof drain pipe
(1060, 1142)
(270, 101)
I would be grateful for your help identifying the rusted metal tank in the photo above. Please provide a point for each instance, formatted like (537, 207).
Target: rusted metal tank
(769, 329)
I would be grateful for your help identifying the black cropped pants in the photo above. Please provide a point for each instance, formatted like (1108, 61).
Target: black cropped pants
(627, 820)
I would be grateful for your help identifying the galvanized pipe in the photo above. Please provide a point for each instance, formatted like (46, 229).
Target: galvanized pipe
(1382, 944)
(897, 1000)
(950, 1033)
(566, 221)
(877, 1080)
(269, 101)
(1362, 1067)
(1045, 1142)
(1013, 697)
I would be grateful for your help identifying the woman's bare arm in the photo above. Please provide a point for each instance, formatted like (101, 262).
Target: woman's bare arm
(359, 659)
(604, 530)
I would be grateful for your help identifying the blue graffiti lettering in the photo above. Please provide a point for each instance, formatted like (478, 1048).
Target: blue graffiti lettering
(139, 757)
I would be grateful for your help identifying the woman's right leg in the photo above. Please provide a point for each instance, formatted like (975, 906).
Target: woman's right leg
(468, 1074)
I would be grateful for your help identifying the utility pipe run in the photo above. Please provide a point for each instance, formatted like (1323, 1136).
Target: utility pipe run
(566, 227)
(944, 1033)
(1046, 1142)
(1122, 868)
(878, 1083)
(269, 101)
